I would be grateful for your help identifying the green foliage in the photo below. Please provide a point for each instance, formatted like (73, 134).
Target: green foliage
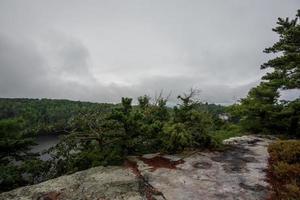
(286, 66)
(284, 169)
(261, 111)
(14, 146)
(35, 170)
(175, 137)
(45, 116)
(22, 119)
(227, 131)
(13, 142)
(131, 130)
(289, 118)
(10, 176)
(93, 142)
(197, 123)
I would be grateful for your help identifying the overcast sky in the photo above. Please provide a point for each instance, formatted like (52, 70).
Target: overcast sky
(102, 50)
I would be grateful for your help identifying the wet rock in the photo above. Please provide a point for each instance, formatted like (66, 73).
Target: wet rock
(237, 173)
(202, 165)
(255, 187)
(235, 168)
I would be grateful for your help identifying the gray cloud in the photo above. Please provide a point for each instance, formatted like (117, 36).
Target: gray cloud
(103, 50)
(21, 68)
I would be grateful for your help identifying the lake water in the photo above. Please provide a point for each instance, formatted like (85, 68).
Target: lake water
(44, 142)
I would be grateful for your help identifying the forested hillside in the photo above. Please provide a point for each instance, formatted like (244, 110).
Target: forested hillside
(48, 116)
(52, 116)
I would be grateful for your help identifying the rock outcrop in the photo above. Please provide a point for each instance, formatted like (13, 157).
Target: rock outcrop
(95, 183)
(236, 173)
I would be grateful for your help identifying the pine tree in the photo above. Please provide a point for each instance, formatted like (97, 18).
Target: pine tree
(286, 66)
(261, 110)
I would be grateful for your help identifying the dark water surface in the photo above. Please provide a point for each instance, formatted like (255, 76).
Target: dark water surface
(45, 142)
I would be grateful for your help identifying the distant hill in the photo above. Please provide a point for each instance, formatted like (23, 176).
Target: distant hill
(48, 115)
(214, 109)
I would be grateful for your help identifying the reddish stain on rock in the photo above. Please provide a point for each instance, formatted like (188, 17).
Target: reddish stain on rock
(161, 162)
(50, 196)
(133, 166)
(145, 187)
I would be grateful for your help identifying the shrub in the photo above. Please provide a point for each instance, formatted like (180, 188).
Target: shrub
(284, 169)
(132, 130)
(175, 137)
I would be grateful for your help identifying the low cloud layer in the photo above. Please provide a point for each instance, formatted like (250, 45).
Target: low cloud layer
(102, 50)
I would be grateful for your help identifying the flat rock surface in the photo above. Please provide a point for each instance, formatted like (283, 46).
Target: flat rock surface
(236, 173)
(96, 183)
